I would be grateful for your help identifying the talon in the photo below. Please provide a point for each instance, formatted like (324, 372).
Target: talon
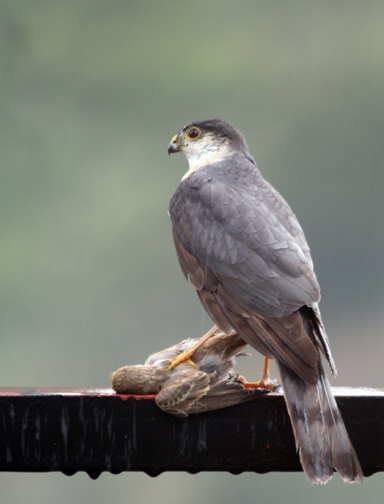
(190, 361)
(183, 357)
(186, 356)
(260, 384)
(264, 383)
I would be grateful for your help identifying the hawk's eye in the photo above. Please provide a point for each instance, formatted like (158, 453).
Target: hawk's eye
(193, 133)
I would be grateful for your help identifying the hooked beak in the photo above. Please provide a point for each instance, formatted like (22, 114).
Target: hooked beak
(174, 146)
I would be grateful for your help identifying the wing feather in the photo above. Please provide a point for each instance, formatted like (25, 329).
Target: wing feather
(248, 238)
(185, 386)
(241, 246)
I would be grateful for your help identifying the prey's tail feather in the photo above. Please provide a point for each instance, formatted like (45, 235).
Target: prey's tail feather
(320, 434)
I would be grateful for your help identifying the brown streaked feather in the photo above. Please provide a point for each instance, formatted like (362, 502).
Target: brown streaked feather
(227, 346)
(186, 388)
(224, 394)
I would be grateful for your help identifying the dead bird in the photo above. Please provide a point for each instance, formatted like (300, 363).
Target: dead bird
(206, 383)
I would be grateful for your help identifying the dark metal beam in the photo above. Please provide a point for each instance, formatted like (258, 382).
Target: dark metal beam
(72, 430)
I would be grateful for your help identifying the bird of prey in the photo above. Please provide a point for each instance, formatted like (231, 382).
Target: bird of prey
(241, 246)
(207, 383)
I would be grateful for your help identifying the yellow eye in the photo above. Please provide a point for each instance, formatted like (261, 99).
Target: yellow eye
(193, 133)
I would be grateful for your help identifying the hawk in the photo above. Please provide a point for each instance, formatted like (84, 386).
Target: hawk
(206, 384)
(241, 246)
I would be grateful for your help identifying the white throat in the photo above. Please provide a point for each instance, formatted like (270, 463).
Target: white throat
(211, 153)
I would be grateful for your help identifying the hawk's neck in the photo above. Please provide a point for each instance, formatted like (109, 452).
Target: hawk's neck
(199, 160)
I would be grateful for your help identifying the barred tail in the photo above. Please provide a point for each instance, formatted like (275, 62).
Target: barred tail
(321, 437)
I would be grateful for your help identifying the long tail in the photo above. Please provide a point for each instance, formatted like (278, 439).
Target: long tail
(321, 437)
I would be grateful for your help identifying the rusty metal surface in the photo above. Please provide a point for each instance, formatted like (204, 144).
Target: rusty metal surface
(72, 430)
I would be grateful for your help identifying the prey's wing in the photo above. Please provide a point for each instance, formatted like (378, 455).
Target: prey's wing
(190, 390)
(185, 386)
(223, 394)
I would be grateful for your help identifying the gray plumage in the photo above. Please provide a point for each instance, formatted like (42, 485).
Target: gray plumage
(186, 389)
(239, 243)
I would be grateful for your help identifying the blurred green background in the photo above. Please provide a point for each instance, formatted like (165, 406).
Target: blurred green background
(91, 92)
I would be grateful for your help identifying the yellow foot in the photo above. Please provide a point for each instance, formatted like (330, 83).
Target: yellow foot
(186, 356)
(183, 357)
(260, 384)
(264, 383)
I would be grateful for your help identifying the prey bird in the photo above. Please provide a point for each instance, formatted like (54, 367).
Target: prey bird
(241, 246)
(204, 384)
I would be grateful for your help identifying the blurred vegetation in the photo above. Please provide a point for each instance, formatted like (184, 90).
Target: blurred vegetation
(91, 92)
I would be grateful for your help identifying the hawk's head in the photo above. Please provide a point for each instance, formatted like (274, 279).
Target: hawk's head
(205, 142)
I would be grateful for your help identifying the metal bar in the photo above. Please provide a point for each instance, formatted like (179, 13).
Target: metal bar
(72, 430)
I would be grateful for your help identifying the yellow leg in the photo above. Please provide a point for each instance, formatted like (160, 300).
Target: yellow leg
(263, 383)
(186, 356)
